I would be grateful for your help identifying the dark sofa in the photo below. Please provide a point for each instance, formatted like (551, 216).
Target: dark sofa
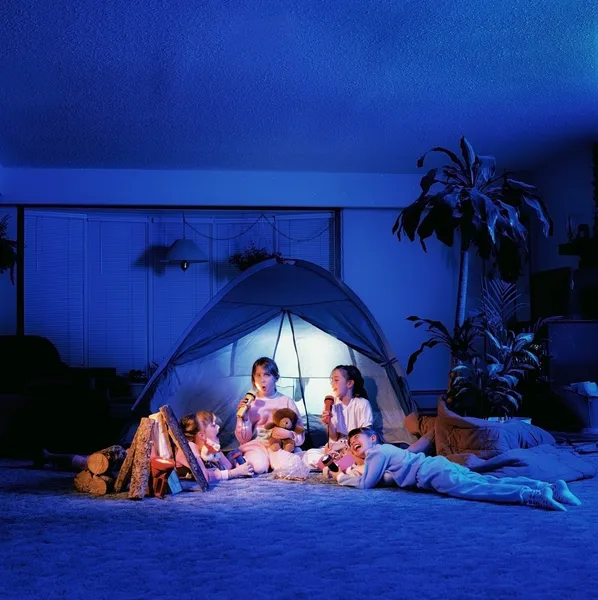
(44, 403)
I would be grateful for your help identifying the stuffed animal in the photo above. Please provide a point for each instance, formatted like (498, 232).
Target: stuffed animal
(210, 451)
(284, 419)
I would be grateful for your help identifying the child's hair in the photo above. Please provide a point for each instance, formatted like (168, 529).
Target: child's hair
(205, 418)
(368, 431)
(354, 374)
(269, 366)
(190, 426)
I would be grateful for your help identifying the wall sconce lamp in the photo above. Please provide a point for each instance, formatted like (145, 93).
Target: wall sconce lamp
(184, 252)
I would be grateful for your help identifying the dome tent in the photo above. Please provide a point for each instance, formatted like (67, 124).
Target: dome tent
(308, 321)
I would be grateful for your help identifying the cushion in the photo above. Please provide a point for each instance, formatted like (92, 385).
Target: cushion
(468, 435)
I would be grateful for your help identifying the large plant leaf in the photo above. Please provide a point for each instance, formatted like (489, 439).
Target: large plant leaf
(438, 220)
(454, 175)
(409, 217)
(484, 169)
(445, 231)
(494, 368)
(499, 301)
(428, 180)
(432, 324)
(541, 213)
(413, 358)
(449, 153)
(524, 192)
(469, 157)
(522, 340)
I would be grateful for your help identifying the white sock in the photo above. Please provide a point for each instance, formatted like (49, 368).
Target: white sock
(541, 498)
(562, 493)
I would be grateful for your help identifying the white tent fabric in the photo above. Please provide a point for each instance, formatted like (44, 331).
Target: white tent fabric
(308, 321)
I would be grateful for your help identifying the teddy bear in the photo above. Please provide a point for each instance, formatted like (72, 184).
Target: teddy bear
(285, 419)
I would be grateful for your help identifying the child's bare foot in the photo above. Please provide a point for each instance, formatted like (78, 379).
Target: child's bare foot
(245, 470)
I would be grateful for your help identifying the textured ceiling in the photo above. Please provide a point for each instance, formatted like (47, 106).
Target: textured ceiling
(351, 85)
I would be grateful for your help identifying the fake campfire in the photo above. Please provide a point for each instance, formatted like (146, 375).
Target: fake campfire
(147, 468)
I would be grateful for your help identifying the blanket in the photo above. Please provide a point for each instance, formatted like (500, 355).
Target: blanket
(544, 462)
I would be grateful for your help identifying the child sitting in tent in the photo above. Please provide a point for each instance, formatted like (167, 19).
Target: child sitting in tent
(251, 431)
(387, 464)
(350, 409)
(200, 428)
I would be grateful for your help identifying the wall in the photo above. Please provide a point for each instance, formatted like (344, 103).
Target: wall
(206, 188)
(395, 279)
(8, 297)
(566, 185)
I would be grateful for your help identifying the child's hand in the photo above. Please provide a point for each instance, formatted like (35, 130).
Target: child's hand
(243, 404)
(326, 417)
(335, 474)
(278, 433)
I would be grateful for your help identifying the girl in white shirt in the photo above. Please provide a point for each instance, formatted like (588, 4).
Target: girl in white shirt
(351, 409)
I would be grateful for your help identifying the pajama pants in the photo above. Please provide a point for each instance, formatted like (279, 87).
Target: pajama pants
(261, 458)
(441, 475)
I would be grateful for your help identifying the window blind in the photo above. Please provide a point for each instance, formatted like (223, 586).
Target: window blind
(54, 263)
(95, 286)
(177, 296)
(117, 297)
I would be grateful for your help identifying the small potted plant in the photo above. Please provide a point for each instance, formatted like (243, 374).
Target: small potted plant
(251, 256)
(137, 378)
(8, 250)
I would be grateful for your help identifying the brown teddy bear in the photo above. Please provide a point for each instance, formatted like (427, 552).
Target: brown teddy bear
(286, 419)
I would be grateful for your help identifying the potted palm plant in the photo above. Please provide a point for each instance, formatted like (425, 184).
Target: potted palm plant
(467, 200)
(8, 250)
(489, 386)
(487, 381)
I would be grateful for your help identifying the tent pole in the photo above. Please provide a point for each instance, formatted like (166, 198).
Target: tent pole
(288, 314)
(278, 336)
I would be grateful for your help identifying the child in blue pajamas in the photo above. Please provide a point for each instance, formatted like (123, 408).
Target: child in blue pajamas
(387, 464)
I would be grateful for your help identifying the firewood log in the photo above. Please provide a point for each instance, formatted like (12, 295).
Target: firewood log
(141, 460)
(82, 481)
(162, 443)
(178, 437)
(107, 460)
(125, 471)
(100, 485)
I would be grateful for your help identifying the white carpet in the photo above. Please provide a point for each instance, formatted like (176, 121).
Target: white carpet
(265, 538)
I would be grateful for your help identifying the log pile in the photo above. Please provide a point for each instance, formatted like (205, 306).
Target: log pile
(102, 466)
(147, 467)
(142, 473)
